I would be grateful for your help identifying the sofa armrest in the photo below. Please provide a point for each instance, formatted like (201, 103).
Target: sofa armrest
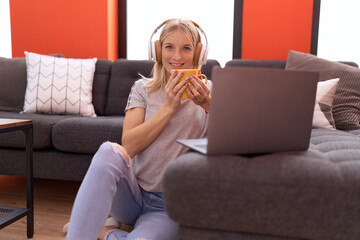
(208, 67)
(292, 194)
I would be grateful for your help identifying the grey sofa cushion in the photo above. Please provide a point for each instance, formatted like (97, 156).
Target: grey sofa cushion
(313, 194)
(86, 134)
(100, 85)
(355, 132)
(42, 127)
(256, 63)
(346, 104)
(12, 83)
(123, 74)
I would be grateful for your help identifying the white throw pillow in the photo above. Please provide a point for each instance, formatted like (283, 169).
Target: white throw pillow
(59, 85)
(323, 106)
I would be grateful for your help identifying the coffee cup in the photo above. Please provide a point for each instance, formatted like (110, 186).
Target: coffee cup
(187, 73)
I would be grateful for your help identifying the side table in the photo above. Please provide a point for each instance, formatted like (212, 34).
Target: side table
(9, 215)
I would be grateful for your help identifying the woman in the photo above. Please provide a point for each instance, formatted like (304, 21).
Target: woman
(126, 181)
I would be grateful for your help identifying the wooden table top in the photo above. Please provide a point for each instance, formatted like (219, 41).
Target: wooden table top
(6, 122)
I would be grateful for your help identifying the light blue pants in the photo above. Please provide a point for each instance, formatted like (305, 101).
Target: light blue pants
(110, 186)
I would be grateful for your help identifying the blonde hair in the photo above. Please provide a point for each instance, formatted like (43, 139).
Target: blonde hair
(159, 79)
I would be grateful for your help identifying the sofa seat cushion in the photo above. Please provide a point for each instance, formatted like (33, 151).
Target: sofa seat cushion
(85, 135)
(312, 194)
(42, 126)
(337, 146)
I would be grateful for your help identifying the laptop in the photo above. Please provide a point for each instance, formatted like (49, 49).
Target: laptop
(258, 110)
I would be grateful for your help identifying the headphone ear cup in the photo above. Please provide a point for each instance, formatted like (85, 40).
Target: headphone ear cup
(198, 50)
(158, 55)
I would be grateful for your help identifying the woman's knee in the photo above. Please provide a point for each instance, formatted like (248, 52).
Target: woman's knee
(108, 156)
(105, 149)
(120, 149)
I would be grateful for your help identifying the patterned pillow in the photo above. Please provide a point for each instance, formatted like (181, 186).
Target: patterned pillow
(59, 85)
(346, 104)
(323, 117)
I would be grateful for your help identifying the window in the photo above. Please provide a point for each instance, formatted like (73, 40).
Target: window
(214, 17)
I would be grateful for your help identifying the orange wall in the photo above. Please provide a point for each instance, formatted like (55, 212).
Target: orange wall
(75, 28)
(273, 27)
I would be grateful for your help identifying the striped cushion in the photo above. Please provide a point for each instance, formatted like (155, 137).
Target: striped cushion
(346, 104)
(59, 85)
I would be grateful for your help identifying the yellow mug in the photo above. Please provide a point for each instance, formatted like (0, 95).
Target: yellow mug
(187, 73)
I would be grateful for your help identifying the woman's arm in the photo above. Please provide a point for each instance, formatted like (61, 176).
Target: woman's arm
(138, 134)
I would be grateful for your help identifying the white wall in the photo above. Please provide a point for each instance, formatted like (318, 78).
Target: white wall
(5, 30)
(339, 30)
(216, 18)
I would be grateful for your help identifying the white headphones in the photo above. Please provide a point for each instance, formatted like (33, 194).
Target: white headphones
(201, 51)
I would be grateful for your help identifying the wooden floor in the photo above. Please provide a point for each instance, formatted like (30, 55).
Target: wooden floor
(53, 200)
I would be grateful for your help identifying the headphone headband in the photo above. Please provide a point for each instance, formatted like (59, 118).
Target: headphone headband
(152, 51)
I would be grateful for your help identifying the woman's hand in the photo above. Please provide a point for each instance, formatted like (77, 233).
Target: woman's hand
(174, 89)
(200, 92)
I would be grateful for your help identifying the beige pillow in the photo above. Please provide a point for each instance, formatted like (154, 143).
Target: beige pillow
(323, 117)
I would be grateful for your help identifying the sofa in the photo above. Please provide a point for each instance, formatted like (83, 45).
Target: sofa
(63, 145)
(297, 195)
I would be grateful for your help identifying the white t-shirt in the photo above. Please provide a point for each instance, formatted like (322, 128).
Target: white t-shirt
(190, 121)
